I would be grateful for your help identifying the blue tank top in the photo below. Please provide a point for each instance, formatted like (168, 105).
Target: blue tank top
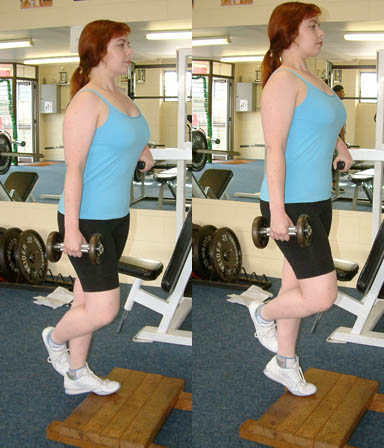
(311, 141)
(111, 161)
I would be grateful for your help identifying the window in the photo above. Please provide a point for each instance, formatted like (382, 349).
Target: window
(171, 88)
(368, 87)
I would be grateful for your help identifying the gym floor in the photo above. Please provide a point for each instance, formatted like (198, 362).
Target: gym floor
(228, 382)
(32, 393)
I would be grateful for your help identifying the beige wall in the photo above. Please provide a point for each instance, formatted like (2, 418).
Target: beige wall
(160, 115)
(247, 125)
(68, 12)
(350, 234)
(152, 232)
(209, 13)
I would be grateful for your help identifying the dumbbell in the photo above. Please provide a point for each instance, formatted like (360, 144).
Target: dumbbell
(94, 249)
(302, 230)
(140, 165)
(340, 165)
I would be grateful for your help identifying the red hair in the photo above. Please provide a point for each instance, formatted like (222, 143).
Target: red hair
(283, 28)
(93, 44)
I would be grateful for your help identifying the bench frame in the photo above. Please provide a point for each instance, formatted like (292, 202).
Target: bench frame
(368, 310)
(174, 309)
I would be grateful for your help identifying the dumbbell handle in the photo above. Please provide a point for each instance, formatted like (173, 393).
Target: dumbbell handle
(84, 247)
(267, 231)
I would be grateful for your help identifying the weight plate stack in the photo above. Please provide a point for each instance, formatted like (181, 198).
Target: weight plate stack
(203, 263)
(31, 257)
(225, 254)
(8, 263)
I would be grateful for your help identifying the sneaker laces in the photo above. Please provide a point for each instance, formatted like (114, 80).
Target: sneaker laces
(95, 377)
(301, 376)
(268, 330)
(59, 356)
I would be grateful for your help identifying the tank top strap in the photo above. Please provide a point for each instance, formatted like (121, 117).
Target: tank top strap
(294, 73)
(98, 94)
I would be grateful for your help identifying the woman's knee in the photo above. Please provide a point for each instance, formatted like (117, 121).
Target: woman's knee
(102, 310)
(321, 293)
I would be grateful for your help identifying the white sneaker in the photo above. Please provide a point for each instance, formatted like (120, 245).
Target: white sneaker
(293, 379)
(89, 382)
(58, 358)
(266, 334)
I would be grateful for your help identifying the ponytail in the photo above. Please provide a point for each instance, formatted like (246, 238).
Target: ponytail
(79, 79)
(270, 63)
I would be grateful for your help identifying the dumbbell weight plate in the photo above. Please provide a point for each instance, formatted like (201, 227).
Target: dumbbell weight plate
(260, 240)
(304, 230)
(31, 257)
(96, 249)
(225, 254)
(8, 265)
(5, 146)
(203, 261)
(53, 254)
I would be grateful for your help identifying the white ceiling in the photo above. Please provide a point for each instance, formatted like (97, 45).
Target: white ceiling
(244, 40)
(56, 42)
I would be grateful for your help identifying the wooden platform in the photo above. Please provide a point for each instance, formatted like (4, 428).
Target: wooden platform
(324, 420)
(130, 418)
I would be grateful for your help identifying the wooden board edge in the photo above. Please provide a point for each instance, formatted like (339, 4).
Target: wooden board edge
(184, 402)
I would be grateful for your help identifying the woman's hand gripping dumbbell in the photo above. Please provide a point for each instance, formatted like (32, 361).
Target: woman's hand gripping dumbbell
(302, 230)
(95, 248)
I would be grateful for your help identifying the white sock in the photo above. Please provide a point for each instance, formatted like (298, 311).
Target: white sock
(55, 347)
(261, 319)
(284, 362)
(76, 373)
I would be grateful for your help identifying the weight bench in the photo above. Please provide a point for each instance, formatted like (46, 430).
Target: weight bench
(166, 178)
(176, 276)
(362, 179)
(370, 308)
(4, 194)
(213, 183)
(20, 184)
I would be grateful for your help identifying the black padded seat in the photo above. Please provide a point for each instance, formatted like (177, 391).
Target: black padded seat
(373, 263)
(20, 184)
(345, 270)
(140, 268)
(179, 255)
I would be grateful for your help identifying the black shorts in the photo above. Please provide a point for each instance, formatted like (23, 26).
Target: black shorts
(316, 259)
(104, 276)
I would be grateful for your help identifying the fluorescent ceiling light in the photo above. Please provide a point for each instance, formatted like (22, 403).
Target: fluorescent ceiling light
(203, 41)
(242, 59)
(16, 43)
(169, 35)
(52, 60)
(364, 36)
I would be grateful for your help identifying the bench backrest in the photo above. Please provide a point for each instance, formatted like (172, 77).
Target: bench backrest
(373, 263)
(179, 255)
(4, 195)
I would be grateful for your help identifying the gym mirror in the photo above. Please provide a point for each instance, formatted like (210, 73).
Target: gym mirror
(42, 95)
(226, 106)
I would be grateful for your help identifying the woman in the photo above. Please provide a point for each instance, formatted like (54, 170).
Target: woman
(104, 137)
(301, 118)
